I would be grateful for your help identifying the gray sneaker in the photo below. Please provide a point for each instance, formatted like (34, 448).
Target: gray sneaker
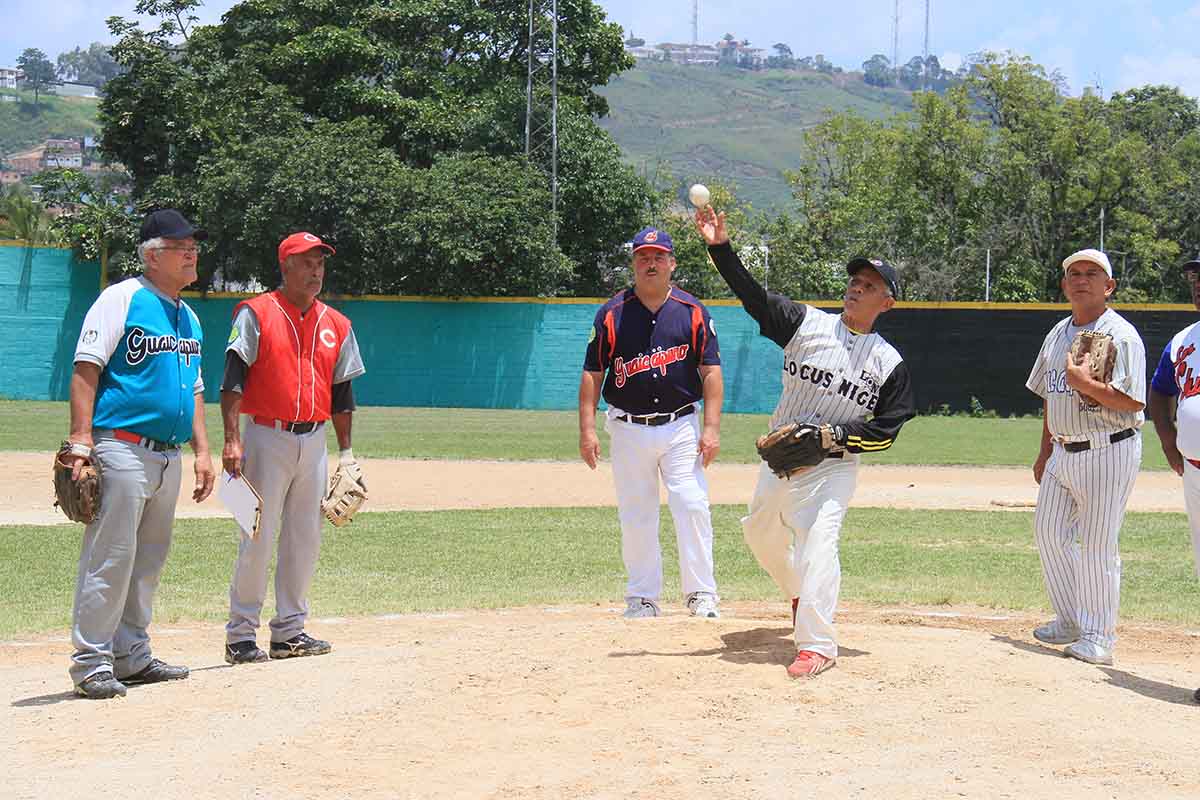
(703, 604)
(1055, 632)
(1090, 652)
(638, 607)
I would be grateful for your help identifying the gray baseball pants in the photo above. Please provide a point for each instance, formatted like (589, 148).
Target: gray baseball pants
(289, 472)
(123, 554)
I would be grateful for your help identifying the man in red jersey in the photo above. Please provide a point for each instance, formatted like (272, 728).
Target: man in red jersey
(288, 366)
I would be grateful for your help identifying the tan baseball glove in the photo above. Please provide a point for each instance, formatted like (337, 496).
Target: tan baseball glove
(1098, 352)
(78, 499)
(795, 447)
(347, 493)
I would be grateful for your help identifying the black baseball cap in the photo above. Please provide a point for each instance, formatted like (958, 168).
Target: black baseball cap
(1192, 266)
(167, 223)
(885, 270)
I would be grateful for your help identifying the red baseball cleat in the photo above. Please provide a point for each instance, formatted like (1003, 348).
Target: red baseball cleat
(809, 664)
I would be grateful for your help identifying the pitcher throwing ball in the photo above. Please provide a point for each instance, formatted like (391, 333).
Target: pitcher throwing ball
(854, 387)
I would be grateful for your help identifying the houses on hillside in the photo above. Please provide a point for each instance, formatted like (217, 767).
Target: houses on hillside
(728, 51)
(69, 153)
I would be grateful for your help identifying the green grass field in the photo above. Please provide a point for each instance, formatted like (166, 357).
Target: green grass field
(462, 433)
(428, 561)
(23, 125)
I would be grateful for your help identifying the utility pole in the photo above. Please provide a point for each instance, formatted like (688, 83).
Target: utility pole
(695, 23)
(541, 96)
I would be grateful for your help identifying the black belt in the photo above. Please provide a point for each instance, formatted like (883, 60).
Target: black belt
(290, 427)
(1079, 447)
(654, 420)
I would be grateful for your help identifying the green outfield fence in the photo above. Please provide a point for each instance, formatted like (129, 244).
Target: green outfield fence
(528, 352)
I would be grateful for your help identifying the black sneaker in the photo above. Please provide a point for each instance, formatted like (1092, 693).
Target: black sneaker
(300, 645)
(244, 653)
(100, 686)
(156, 672)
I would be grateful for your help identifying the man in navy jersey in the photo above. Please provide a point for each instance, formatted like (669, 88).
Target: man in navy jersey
(653, 350)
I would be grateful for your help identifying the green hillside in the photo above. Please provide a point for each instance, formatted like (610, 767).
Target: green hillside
(22, 125)
(744, 126)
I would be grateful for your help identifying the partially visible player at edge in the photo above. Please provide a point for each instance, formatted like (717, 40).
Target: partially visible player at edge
(1175, 408)
(1088, 460)
(836, 371)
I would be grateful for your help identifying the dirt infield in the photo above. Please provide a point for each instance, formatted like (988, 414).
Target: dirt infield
(578, 703)
(26, 495)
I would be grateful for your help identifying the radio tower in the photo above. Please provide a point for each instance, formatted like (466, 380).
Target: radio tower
(695, 23)
(896, 41)
(541, 96)
(925, 65)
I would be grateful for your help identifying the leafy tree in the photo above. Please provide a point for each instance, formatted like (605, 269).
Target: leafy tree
(39, 72)
(877, 71)
(25, 219)
(96, 219)
(413, 119)
(783, 58)
(94, 66)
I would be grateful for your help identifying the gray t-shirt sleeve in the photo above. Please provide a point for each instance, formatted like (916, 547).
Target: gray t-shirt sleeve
(349, 361)
(243, 339)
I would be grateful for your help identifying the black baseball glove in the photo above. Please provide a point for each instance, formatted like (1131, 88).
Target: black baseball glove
(794, 447)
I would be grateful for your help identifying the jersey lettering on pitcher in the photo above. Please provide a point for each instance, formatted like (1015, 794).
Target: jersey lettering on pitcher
(807, 372)
(660, 359)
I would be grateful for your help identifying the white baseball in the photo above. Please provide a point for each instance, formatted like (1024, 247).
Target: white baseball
(699, 195)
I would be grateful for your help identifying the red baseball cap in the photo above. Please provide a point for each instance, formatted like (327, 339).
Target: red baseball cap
(301, 243)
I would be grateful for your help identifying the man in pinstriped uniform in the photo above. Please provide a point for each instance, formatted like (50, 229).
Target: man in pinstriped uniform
(836, 371)
(1089, 458)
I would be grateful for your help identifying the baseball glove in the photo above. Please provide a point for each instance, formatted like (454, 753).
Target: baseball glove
(347, 493)
(1099, 353)
(78, 499)
(794, 447)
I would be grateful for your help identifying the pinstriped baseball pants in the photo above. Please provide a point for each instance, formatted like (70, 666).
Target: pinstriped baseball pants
(1080, 508)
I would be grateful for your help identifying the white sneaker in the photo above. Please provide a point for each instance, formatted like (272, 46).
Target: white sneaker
(1090, 652)
(1055, 632)
(703, 604)
(638, 607)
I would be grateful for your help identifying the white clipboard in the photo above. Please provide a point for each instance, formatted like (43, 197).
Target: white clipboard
(243, 501)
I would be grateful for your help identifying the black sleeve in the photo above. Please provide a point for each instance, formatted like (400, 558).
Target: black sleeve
(343, 397)
(235, 373)
(894, 408)
(777, 316)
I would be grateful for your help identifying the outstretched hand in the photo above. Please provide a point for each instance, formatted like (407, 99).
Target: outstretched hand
(711, 226)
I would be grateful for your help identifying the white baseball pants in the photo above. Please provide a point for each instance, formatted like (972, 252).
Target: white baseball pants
(1191, 498)
(640, 454)
(1080, 508)
(793, 529)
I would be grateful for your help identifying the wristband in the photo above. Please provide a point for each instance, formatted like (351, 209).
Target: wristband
(346, 456)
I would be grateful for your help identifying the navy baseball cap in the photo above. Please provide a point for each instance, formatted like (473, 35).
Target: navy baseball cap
(1192, 266)
(653, 237)
(168, 223)
(885, 270)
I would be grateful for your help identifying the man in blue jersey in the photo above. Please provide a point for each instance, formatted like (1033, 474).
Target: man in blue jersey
(136, 398)
(658, 346)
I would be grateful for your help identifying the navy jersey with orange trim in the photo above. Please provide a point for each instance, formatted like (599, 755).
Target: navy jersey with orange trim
(652, 359)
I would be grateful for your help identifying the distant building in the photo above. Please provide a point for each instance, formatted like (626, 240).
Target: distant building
(690, 54)
(62, 154)
(8, 176)
(9, 76)
(27, 162)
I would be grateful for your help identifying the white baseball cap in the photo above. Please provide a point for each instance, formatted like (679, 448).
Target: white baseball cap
(1094, 256)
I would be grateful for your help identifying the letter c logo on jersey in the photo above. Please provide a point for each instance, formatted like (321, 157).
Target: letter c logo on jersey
(327, 338)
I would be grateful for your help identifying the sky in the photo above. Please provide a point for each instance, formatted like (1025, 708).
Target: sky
(1112, 44)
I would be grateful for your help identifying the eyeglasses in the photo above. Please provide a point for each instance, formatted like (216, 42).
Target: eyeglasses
(188, 251)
